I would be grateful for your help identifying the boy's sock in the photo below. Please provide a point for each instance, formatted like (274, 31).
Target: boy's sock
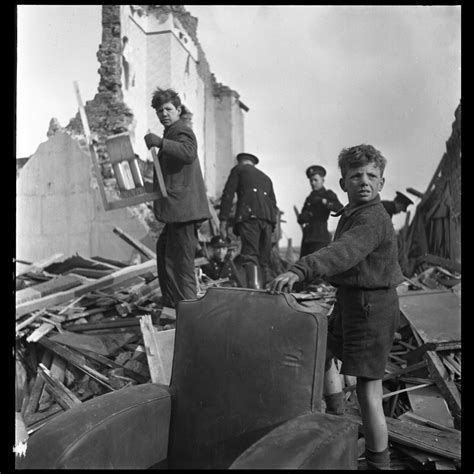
(335, 403)
(377, 460)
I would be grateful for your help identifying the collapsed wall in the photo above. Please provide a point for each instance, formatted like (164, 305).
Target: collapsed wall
(142, 47)
(436, 226)
(148, 46)
(59, 208)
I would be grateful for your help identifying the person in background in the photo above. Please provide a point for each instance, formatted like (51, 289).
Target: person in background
(186, 205)
(361, 262)
(220, 262)
(399, 204)
(255, 218)
(315, 212)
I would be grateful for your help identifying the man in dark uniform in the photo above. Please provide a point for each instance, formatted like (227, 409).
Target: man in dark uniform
(220, 263)
(255, 216)
(399, 204)
(315, 213)
(186, 205)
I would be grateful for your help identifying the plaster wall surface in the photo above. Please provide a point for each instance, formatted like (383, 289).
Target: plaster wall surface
(135, 92)
(224, 147)
(161, 53)
(210, 157)
(59, 209)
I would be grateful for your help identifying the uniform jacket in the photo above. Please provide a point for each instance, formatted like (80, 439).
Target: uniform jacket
(187, 198)
(389, 207)
(314, 215)
(363, 254)
(255, 196)
(217, 270)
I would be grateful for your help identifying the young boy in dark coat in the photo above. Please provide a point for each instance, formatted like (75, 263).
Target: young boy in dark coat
(362, 264)
(186, 205)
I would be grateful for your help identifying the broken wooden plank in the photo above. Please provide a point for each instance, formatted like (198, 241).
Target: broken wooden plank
(112, 364)
(415, 418)
(436, 316)
(100, 344)
(121, 323)
(414, 387)
(37, 389)
(168, 313)
(63, 396)
(430, 404)
(447, 387)
(39, 332)
(57, 370)
(159, 347)
(26, 322)
(75, 359)
(55, 285)
(39, 265)
(155, 363)
(421, 457)
(425, 438)
(118, 277)
(449, 361)
(136, 244)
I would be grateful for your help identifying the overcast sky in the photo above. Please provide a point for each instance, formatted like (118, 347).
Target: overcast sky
(315, 78)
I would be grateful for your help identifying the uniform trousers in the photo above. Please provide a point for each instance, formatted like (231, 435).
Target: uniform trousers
(256, 239)
(175, 252)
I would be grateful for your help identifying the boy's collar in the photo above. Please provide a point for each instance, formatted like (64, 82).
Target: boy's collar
(349, 210)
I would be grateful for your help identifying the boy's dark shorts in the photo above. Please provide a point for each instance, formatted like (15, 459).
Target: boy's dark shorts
(361, 329)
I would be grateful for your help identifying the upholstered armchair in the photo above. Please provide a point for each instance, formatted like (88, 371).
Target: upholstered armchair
(245, 392)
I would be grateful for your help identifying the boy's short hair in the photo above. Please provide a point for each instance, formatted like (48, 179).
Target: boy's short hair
(360, 155)
(162, 96)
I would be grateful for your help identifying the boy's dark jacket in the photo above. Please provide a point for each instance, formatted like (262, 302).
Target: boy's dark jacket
(187, 198)
(363, 254)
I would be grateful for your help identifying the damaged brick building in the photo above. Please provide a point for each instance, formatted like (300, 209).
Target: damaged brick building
(143, 47)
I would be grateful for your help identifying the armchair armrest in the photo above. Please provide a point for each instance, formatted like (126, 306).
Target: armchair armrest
(314, 441)
(126, 429)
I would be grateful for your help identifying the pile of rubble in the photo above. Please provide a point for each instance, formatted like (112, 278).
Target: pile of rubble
(87, 326)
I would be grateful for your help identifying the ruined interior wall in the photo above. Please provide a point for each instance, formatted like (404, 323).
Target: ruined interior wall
(238, 144)
(224, 148)
(161, 49)
(59, 208)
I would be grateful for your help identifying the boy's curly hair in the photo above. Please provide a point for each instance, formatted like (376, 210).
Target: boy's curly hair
(161, 96)
(360, 155)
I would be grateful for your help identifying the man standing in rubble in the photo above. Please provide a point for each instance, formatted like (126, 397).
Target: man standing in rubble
(186, 205)
(255, 216)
